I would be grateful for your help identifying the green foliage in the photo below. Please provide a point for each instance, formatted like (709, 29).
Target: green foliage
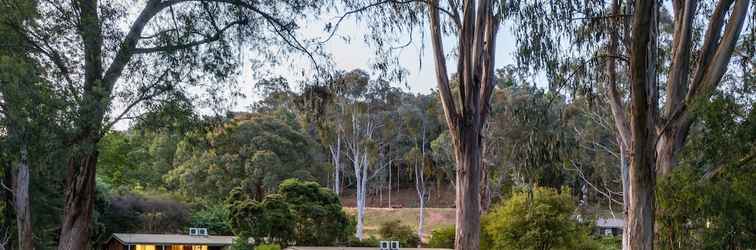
(268, 247)
(442, 237)
(394, 230)
(608, 242)
(301, 212)
(320, 220)
(136, 160)
(707, 214)
(214, 217)
(367, 242)
(708, 202)
(540, 219)
(254, 152)
(241, 242)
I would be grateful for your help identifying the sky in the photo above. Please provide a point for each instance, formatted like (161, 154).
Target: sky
(355, 54)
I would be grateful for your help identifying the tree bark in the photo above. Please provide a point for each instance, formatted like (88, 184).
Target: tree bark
(79, 201)
(625, 172)
(336, 159)
(8, 199)
(475, 67)
(467, 153)
(711, 65)
(642, 127)
(22, 205)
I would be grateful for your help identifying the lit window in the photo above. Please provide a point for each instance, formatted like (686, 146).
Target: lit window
(145, 247)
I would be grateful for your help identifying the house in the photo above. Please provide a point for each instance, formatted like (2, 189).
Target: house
(610, 226)
(197, 239)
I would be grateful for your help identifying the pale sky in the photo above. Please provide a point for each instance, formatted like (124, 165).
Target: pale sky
(418, 62)
(357, 55)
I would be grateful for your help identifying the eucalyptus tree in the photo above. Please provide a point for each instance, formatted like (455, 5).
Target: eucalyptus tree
(474, 23)
(364, 109)
(417, 119)
(28, 127)
(571, 40)
(97, 54)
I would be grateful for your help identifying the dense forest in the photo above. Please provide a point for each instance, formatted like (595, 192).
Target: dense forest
(121, 119)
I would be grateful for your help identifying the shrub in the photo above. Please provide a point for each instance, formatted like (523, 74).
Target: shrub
(301, 212)
(268, 247)
(212, 217)
(320, 219)
(394, 230)
(541, 219)
(369, 242)
(442, 237)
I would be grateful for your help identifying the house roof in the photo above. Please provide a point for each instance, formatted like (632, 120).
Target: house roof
(173, 239)
(610, 223)
(355, 248)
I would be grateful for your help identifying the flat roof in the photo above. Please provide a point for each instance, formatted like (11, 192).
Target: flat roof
(355, 248)
(610, 223)
(211, 240)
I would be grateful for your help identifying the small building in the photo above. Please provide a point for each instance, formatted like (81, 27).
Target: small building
(197, 239)
(609, 226)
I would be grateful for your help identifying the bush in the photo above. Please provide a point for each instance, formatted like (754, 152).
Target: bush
(268, 247)
(698, 213)
(442, 237)
(369, 242)
(212, 217)
(541, 219)
(301, 212)
(320, 219)
(394, 230)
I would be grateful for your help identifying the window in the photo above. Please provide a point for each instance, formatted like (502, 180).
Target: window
(145, 247)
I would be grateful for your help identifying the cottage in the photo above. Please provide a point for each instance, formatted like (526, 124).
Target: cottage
(197, 239)
(610, 226)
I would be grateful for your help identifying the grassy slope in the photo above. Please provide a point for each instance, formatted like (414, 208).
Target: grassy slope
(434, 218)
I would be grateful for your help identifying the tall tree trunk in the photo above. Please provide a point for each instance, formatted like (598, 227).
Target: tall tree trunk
(361, 183)
(336, 159)
(7, 199)
(420, 188)
(79, 191)
(389, 185)
(22, 205)
(625, 172)
(642, 126)
(79, 200)
(467, 153)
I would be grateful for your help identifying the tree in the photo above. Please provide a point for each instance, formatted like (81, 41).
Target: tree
(706, 202)
(254, 152)
(267, 221)
(361, 107)
(301, 212)
(28, 127)
(536, 219)
(475, 24)
(151, 55)
(606, 37)
(320, 220)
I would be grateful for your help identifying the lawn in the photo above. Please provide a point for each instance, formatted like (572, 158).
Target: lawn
(434, 218)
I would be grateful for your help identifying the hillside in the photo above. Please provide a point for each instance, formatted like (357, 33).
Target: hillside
(434, 218)
(405, 197)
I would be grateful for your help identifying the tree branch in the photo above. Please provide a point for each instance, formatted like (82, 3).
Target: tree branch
(217, 36)
(442, 77)
(143, 96)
